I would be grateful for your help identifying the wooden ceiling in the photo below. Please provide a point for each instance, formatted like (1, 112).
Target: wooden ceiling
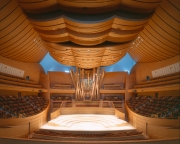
(160, 38)
(18, 39)
(88, 34)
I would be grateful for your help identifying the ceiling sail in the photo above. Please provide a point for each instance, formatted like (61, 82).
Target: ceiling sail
(88, 30)
(18, 39)
(89, 6)
(87, 57)
(160, 38)
(147, 29)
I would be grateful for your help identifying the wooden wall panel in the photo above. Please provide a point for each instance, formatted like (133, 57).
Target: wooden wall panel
(154, 127)
(156, 132)
(130, 82)
(30, 69)
(119, 114)
(86, 110)
(114, 78)
(44, 81)
(20, 127)
(9, 92)
(55, 114)
(161, 93)
(24, 93)
(145, 69)
(18, 39)
(20, 131)
(35, 125)
(60, 77)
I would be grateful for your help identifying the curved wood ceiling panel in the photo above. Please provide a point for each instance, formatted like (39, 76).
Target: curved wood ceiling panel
(87, 57)
(18, 39)
(140, 6)
(160, 38)
(88, 6)
(101, 31)
(63, 29)
(38, 6)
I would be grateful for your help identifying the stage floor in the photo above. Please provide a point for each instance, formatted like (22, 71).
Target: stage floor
(87, 122)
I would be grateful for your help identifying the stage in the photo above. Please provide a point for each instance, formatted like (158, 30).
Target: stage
(87, 122)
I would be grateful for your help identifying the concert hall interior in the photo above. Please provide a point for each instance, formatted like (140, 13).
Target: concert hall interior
(89, 71)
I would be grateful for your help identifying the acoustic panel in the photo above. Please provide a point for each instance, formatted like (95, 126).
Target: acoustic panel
(166, 70)
(11, 70)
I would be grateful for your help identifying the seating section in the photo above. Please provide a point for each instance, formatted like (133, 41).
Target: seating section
(19, 107)
(112, 98)
(9, 80)
(61, 86)
(160, 81)
(61, 98)
(113, 86)
(101, 136)
(163, 107)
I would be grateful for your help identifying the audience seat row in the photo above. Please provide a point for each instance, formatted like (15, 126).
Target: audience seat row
(57, 135)
(61, 98)
(112, 98)
(19, 107)
(157, 107)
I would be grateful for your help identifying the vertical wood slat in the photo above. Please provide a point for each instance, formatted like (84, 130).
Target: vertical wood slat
(166, 70)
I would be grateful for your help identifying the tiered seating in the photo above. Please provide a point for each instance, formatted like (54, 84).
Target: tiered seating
(160, 81)
(113, 86)
(117, 100)
(112, 98)
(61, 86)
(162, 107)
(16, 107)
(58, 135)
(61, 98)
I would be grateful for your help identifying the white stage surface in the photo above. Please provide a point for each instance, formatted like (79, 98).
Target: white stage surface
(87, 122)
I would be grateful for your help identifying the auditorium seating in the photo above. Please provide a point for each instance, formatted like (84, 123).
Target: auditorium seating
(19, 107)
(160, 81)
(167, 107)
(112, 98)
(61, 98)
(100, 136)
(117, 100)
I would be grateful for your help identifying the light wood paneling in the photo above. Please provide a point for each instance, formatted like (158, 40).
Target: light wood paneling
(86, 110)
(154, 127)
(30, 69)
(160, 38)
(145, 69)
(88, 6)
(20, 127)
(67, 29)
(18, 39)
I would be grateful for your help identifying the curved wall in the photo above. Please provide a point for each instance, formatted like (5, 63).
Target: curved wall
(30, 69)
(153, 127)
(144, 69)
(22, 127)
